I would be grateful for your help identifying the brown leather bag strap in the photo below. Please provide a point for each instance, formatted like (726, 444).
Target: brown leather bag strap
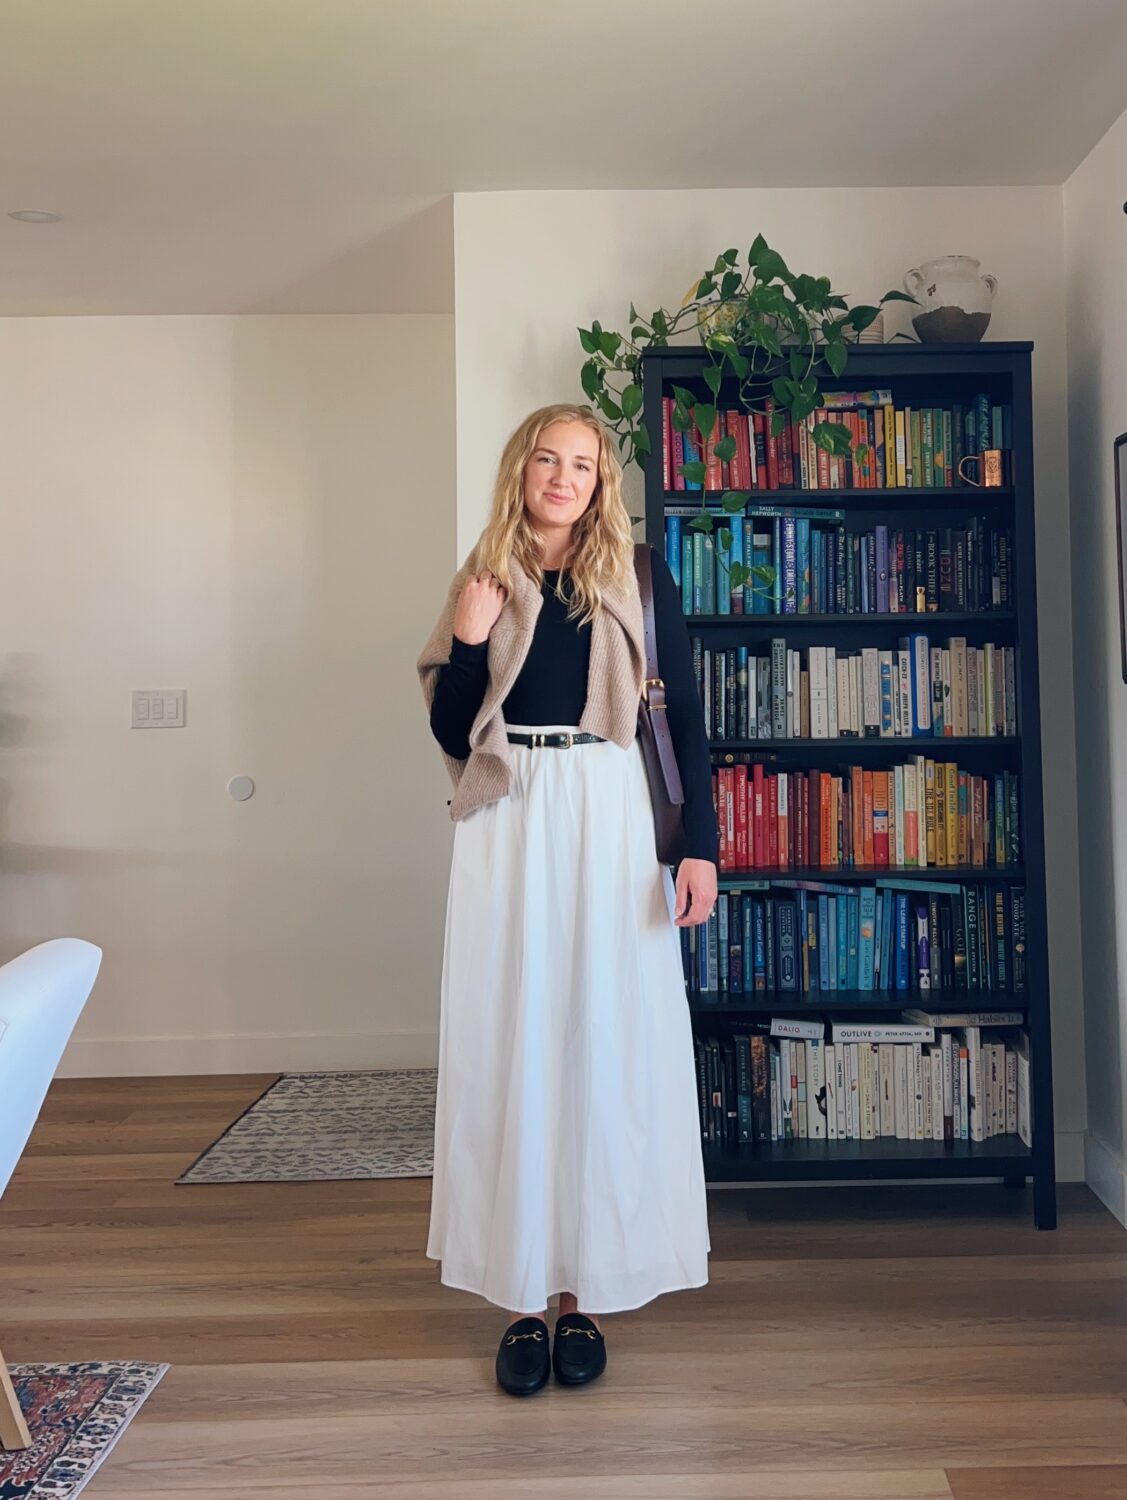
(653, 689)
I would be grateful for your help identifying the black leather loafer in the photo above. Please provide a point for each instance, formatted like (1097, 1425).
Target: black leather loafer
(524, 1359)
(579, 1351)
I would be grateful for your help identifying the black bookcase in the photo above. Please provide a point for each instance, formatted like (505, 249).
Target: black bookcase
(917, 375)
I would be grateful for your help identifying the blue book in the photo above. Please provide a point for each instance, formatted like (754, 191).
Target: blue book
(802, 564)
(790, 567)
(817, 573)
(882, 568)
(888, 922)
(842, 922)
(721, 562)
(708, 574)
(853, 939)
(759, 957)
(777, 559)
(760, 558)
(692, 456)
(722, 941)
(673, 546)
(831, 941)
(823, 942)
(685, 574)
(903, 944)
(867, 931)
(736, 555)
(878, 916)
(786, 947)
(747, 983)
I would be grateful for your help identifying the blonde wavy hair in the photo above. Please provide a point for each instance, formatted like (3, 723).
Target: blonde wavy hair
(602, 548)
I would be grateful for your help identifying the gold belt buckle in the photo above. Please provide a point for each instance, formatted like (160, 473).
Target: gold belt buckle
(658, 682)
(570, 740)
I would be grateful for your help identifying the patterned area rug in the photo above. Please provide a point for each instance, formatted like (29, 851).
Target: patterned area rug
(309, 1127)
(75, 1414)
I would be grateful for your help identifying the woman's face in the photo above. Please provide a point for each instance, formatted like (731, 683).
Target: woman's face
(560, 478)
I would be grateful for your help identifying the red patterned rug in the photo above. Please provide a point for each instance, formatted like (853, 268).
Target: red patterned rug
(75, 1414)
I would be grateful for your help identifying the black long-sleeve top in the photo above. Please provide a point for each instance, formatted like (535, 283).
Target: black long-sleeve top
(551, 688)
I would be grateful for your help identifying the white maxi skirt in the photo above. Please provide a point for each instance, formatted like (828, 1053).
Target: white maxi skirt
(567, 1143)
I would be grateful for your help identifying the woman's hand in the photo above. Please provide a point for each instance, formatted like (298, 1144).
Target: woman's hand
(479, 604)
(696, 891)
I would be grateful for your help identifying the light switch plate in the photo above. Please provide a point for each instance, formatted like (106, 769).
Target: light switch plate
(158, 708)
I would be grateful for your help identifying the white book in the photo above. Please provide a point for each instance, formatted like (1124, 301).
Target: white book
(957, 646)
(880, 1031)
(854, 1094)
(922, 679)
(917, 1091)
(815, 1090)
(841, 1090)
(976, 1113)
(921, 805)
(798, 1058)
(870, 677)
(925, 1081)
(947, 1086)
(832, 718)
(1011, 1091)
(853, 677)
(887, 674)
(900, 1086)
(964, 1017)
(885, 1052)
(831, 1090)
(987, 701)
(973, 658)
(903, 710)
(865, 1053)
(1024, 1095)
(797, 1026)
(896, 815)
(819, 694)
(937, 1093)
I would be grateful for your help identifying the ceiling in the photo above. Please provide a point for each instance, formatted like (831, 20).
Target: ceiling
(299, 155)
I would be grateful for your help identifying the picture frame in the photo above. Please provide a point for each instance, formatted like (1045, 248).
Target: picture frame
(1120, 460)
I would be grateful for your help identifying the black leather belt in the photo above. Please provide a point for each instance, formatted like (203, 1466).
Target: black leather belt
(560, 738)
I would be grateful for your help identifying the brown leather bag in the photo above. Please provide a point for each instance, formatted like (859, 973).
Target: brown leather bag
(664, 776)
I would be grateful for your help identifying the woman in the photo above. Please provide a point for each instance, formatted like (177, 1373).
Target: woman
(567, 1131)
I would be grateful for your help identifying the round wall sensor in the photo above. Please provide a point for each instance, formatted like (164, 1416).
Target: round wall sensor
(241, 787)
(35, 216)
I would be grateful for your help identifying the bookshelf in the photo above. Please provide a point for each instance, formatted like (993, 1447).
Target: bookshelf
(918, 376)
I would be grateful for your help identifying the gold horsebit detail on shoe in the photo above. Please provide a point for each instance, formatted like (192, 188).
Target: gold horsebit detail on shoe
(512, 1338)
(590, 1332)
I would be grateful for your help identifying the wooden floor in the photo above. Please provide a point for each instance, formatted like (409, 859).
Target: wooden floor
(872, 1343)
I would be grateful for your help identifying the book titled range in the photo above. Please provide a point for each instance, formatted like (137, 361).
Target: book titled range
(919, 815)
(822, 567)
(920, 689)
(890, 446)
(893, 936)
(864, 1083)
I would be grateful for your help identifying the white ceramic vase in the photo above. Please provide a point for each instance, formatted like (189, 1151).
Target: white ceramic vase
(954, 299)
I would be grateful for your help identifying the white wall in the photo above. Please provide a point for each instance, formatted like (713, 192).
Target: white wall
(1096, 268)
(259, 510)
(530, 267)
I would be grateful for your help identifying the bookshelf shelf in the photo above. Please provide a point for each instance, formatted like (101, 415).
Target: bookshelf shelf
(720, 1003)
(790, 1161)
(919, 376)
(848, 874)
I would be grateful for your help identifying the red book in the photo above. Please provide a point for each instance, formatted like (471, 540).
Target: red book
(667, 442)
(773, 822)
(880, 818)
(772, 445)
(759, 841)
(867, 816)
(742, 861)
(825, 821)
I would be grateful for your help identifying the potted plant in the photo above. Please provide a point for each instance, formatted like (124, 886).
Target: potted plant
(746, 319)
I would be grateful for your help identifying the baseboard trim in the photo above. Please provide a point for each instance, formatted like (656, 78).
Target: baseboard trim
(1105, 1172)
(296, 1052)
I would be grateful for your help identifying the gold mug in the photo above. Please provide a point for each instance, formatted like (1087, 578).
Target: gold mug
(991, 461)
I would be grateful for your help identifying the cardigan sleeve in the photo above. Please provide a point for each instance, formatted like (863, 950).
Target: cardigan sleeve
(458, 695)
(686, 715)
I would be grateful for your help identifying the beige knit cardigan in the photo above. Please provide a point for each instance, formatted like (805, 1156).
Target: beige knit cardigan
(614, 680)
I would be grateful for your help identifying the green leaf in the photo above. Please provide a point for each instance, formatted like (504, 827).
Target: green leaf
(836, 355)
(693, 472)
(797, 366)
(782, 389)
(610, 408)
(898, 297)
(609, 342)
(633, 313)
(772, 267)
(758, 247)
(681, 420)
(730, 284)
(622, 436)
(712, 378)
(588, 340)
(724, 539)
(705, 287)
(778, 422)
(726, 449)
(861, 317)
(738, 362)
(642, 440)
(701, 523)
(764, 572)
(592, 378)
(733, 501)
(730, 256)
(631, 400)
(704, 415)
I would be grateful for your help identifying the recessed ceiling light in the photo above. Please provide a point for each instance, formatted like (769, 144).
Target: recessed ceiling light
(35, 216)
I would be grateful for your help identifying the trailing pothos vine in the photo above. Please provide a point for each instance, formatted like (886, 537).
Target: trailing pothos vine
(766, 331)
